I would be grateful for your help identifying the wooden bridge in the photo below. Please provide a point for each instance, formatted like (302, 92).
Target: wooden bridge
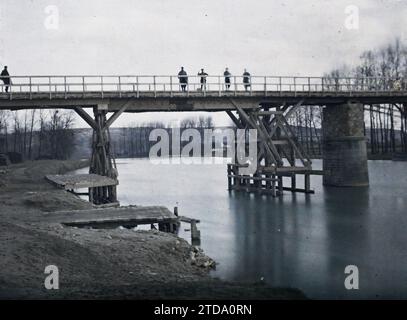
(263, 103)
(163, 93)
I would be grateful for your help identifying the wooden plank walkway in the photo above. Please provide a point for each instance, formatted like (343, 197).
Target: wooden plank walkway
(78, 181)
(109, 218)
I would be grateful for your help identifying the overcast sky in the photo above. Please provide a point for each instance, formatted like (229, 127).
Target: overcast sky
(158, 36)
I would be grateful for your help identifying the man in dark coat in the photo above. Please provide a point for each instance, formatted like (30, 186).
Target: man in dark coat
(203, 76)
(246, 80)
(5, 77)
(183, 79)
(227, 76)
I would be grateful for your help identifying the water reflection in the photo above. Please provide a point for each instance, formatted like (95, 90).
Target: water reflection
(347, 212)
(298, 240)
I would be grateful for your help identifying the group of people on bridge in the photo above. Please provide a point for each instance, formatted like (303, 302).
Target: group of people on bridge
(183, 79)
(395, 84)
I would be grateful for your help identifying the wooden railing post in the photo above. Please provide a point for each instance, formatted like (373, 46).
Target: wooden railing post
(83, 86)
(351, 87)
(30, 87)
(65, 94)
(265, 86)
(219, 86)
(337, 83)
(138, 89)
(49, 88)
(101, 87)
(120, 87)
(280, 85)
(155, 89)
(295, 86)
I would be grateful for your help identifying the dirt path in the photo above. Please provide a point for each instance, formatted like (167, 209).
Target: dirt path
(96, 263)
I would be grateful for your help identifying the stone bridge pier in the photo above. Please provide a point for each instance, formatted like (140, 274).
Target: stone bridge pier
(344, 146)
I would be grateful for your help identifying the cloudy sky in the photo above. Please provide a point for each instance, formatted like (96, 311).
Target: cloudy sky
(158, 36)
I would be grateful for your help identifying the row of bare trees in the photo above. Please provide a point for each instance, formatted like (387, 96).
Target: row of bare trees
(306, 123)
(37, 134)
(133, 141)
(385, 124)
(385, 128)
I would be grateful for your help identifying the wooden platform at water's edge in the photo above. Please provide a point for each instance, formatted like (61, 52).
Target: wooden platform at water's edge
(109, 218)
(78, 181)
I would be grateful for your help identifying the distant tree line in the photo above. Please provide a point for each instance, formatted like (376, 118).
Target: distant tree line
(306, 123)
(384, 68)
(133, 141)
(37, 134)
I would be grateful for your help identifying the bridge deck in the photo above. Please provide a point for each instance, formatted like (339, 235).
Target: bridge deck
(164, 93)
(192, 101)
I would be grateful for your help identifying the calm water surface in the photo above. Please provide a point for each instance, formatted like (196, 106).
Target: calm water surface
(297, 240)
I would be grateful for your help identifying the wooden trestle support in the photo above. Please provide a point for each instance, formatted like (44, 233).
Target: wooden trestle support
(279, 154)
(102, 160)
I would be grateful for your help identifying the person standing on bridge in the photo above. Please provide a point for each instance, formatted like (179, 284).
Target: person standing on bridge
(246, 79)
(5, 77)
(227, 76)
(203, 76)
(183, 79)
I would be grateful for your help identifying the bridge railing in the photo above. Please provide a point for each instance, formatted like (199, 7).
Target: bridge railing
(215, 85)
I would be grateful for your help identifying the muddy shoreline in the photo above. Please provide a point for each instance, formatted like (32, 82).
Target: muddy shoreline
(96, 264)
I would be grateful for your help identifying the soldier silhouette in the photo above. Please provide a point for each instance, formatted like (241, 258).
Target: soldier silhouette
(5, 77)
(203, 76)
(183, 79)
(227, 76)
(246, 80)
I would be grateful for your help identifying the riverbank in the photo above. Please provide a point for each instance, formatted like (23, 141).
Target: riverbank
(95, 264)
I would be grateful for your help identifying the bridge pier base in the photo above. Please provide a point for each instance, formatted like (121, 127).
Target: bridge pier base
(344, 146)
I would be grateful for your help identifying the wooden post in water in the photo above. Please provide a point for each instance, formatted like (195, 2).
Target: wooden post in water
(307, 183)
(195, 233)
(293, 182)
(229, 171)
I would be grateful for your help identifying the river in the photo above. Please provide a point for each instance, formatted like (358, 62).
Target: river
(297, 240)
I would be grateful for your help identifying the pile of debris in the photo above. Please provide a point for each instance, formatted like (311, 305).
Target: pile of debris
(199, 259)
